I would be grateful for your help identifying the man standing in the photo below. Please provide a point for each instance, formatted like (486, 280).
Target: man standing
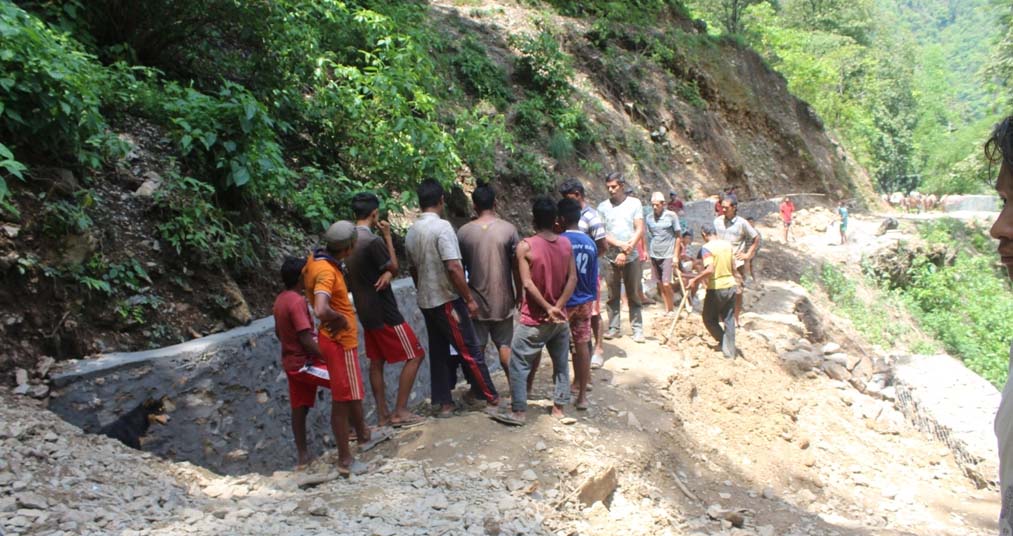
(743, 237)
(579, 307)
(624, 227)
(719, 303)
(389, 339)
(678, 207)
(446, 302)
(487, 250)
(842, 213)
(787, 209)
(662, 232)
(549, 276)
(325, 287)
(591, 225)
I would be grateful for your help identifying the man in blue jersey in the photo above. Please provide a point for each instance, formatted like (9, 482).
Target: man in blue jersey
(580, 306)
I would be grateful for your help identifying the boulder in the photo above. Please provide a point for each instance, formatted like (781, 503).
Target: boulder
(599, 487)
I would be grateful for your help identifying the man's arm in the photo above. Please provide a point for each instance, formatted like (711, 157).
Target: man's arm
(308, 342)
(393, 267)
(330, 318)
(638, 230)
(456, 272)
(524, 267)
(707, 272)
(752, 247)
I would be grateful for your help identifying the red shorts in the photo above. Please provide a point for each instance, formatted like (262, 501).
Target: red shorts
(580, 322)
(343, 366)
(303, 383)
(393, 344)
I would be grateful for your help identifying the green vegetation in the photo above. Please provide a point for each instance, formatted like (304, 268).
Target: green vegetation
(909, 86)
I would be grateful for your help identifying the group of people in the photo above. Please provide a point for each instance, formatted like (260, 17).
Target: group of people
(484, 282)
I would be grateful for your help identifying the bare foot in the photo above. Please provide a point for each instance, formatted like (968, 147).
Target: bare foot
(557, 411)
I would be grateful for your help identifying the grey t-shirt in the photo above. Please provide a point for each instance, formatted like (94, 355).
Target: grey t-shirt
(487, 250)
(662, 232)
(738, 231)
(431, 241)
(619, 220)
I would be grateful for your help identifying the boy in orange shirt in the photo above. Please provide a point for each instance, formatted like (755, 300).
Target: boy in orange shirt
(339, 342)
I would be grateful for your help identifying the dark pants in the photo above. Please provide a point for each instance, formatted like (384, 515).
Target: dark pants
(449, 325)
(628, 275)
(719, 306)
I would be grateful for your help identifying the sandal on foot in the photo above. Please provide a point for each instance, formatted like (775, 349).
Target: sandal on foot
(354, 468)
(583, 406)
(377, 436)
(410, 422)
(506, 418)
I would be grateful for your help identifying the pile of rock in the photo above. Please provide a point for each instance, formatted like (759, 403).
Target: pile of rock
(865, 373)
(34, 383)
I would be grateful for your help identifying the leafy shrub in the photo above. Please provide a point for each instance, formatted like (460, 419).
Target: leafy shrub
(479, 74)
(192, 223)
(478, 136)
(544, 67)
(63, 217)
(49, 98)
(13, 168)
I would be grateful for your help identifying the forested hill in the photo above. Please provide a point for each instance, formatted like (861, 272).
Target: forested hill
(158, 158)
(911, 86)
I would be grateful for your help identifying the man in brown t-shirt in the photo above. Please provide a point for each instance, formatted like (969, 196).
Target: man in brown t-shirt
(487, 251)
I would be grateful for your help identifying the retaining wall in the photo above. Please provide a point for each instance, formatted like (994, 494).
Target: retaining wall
(227, 392)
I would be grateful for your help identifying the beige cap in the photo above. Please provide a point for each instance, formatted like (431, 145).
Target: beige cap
(340, 235)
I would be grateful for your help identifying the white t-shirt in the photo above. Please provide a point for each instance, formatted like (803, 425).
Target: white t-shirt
(430, 242)
(1004, 433)
(619, 220)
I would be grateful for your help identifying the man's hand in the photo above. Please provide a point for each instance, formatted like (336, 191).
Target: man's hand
(383, 281)
(741, 256)
(620, 259)
(472, 307)
(384, 228)
(627, 247)
(337, 324)
(556, 315)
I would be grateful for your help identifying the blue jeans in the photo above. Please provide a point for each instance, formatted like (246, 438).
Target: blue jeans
(527, 344)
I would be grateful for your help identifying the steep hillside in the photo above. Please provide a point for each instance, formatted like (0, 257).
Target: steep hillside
(154, 184)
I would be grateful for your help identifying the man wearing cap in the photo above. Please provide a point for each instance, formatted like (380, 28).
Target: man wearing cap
(447, 304)
(663, 231)
(719, 275)
(743, 237)
(624, 227)
(325, 288)
(591, 225)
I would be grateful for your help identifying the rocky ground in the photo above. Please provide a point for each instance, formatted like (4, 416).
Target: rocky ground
(678, 441)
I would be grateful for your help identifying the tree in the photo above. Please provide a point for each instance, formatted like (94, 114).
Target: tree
(729, 13)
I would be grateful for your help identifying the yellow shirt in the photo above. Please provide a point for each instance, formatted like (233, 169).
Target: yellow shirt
(323, 276)
(719, 254)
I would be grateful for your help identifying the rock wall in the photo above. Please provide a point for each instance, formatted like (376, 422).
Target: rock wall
(227, 394)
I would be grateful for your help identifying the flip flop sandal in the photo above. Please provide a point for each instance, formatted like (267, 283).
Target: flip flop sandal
(378, 436)
(583, 407)
(412, 422)
(506, 418)
(355, 468)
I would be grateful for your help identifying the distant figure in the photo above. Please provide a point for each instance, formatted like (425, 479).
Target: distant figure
(591, 225)
(580, 306)
(744, 239)
(624, 227)
(678, 207)
(663, 232)
(787, 210)
(719, 209)
(929, 202)
(999, 149)
(719, 276)
(842, 214)
(897, 200)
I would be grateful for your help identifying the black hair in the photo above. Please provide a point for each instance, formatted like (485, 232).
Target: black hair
(569, 211)
(999, 147)
(707, 230)
(483, 197)
(732, 200)
(615, 176)
(688, 233)
(363, 204)
(570, 186)
(543, 212)
(291, 271)
(430, 192)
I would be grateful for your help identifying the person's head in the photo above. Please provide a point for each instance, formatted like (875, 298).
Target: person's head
(729, 207)
(573, 189)
(430, 193)
(786, 199)
(366, 206)
(340, 239)
(707, 232)
(673, 196)
(484, 198)
(999, 150)
(543, 212)
(687, 237)
(658, 202)
(615, 183)
(291, 273)
(569, 213)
